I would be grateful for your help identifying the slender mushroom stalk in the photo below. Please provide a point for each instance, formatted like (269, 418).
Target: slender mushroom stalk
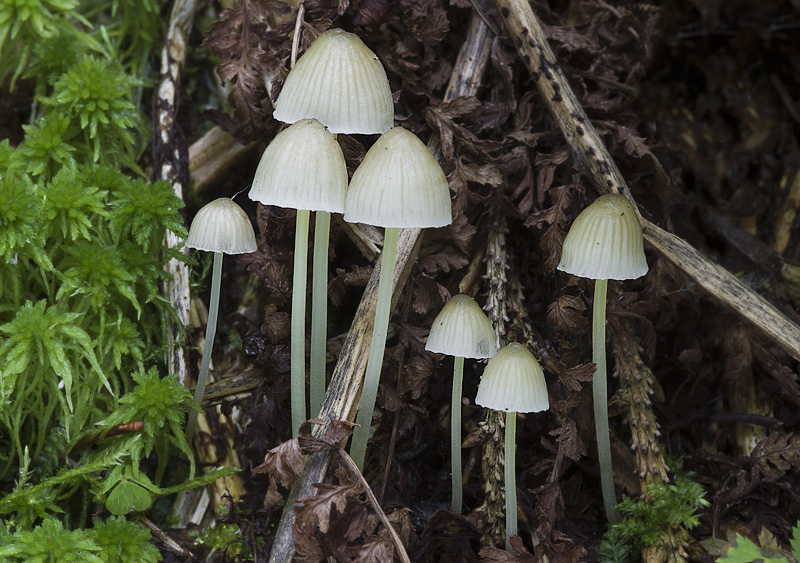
(219, 227)
(605, 242)
(513, 381)
(317, 184)
(461, 329)
(398, 184)
(319, 310)
(354, 97)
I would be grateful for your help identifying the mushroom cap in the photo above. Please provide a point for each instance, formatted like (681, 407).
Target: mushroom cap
(513, 381)
(340, 82)
(398, 184)
(605, 242)
(222, 226)
(302, 168)
(462, 329)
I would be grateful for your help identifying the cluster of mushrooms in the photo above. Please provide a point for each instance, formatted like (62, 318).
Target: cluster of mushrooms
(399, 185)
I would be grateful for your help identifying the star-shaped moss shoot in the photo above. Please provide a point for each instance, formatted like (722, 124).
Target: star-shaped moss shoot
(461, 329)
(513, 382)
(303, 168)
(219, 227)
(398, 185)
(342, 84)
(605, 242)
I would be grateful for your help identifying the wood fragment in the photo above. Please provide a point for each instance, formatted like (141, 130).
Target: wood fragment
(592, 156)
(170, 163)
(212, 156)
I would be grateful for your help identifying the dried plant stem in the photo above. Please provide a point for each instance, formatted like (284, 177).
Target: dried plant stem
(212, 156)
(591, 155)
(372, 376)
(495, 502)
(342, 396)
(319, 310)
(298, 322)
(455, 436)
(211, 332)
(356, 472)
(169, 163)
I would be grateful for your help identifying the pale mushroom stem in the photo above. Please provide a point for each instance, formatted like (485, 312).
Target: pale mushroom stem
(372, 377)
(510, 476)
(211, 333)
(455, 435)
(298, 326)
(600, 397)
(319, 309)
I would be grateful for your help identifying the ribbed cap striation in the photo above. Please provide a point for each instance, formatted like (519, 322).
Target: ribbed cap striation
(222, 226)
(302, 168)
(605, 242)
(399, 184)
(513, 381)
(340, 82)
(462, 329)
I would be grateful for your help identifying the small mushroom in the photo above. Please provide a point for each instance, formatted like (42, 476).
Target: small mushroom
(219, 227)
(398, 185)
(605, 242)
(513, 381)
(341, 83)
(461, 329)
(316, 182)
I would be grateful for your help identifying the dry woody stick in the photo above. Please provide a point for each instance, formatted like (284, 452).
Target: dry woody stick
(594, 159)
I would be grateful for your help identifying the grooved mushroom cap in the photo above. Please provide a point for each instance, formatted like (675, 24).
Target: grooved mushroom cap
(462, 329)
(222, 226)
(398, 184)
(605, 242)
(340, 82)
(302, 168)
(513, 381)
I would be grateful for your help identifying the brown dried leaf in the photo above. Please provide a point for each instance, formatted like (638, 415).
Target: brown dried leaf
(284, 464)
(569, 441)
(520, 555)
(316, 510)
(776, 454)
(427, 21)
(416, 374)
(566, 315)
(442, 262)
(571, 378)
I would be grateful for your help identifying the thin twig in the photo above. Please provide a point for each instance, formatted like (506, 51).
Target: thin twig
(353, 469)
(592, 156)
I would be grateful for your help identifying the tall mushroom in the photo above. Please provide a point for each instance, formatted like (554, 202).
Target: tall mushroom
(398, 185)
(461, 329)
(317, 182)
(604, 242)
(513, 381)
(219, 227)
(342, 84)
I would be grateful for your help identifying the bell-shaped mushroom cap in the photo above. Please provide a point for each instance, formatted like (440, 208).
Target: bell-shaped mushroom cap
(222, 226)
(340, 82)
(513, 381)
(302, 168)
(605, 242)
(398, 184)
(462, 329)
